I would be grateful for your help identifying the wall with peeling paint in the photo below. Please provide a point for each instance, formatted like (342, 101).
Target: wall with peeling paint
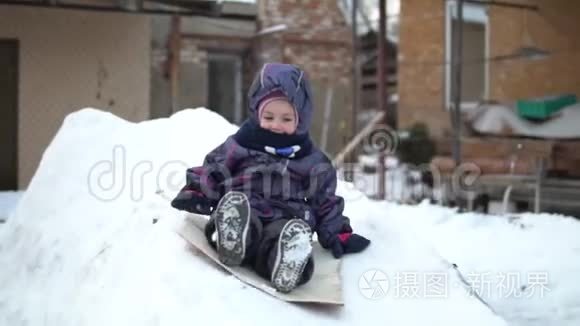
(69, 60)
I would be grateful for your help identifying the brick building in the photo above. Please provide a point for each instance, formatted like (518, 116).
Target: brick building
(489, 32)
(61, 57)
(219, 56)
(494, 72)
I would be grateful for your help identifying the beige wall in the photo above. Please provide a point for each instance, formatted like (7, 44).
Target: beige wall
(70, 60)
(422, 49)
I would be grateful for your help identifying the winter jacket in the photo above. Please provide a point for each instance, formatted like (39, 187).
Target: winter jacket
(278, 187)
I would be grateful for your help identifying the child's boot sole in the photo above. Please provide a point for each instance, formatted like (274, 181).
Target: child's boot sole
(293, 251)
(232, 221)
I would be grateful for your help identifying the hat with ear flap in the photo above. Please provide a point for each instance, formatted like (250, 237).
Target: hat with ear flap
(275, 80)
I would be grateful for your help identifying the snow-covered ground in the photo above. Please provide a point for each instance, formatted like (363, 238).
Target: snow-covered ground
(92, 242)
(8, 201)
(398, 187)
(525, 266)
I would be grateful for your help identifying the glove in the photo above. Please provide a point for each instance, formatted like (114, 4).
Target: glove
(348, 242)
(193, 202)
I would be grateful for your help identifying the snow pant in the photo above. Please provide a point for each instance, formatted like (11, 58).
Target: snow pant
(261, 247)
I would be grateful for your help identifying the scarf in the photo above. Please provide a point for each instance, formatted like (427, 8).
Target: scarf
(251, 135)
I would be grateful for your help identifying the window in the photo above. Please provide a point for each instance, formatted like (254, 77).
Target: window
(225, 85)
(475, 75)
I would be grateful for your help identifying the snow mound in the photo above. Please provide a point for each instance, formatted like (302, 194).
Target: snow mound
(92, 242)
(525, 265)
(8, 200)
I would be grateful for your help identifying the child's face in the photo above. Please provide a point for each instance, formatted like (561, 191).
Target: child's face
(278, 117)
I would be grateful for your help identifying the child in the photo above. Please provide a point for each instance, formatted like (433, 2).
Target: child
(267, 187)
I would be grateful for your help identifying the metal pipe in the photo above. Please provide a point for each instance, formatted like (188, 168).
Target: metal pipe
(456, 61)
(339, 159)
(382, 89)
(538, 186)
(59, 5)
(355, 67)
(174, 64)
(355, 83)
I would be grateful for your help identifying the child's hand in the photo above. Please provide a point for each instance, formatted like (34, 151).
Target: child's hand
(193, 202)
(348, 242)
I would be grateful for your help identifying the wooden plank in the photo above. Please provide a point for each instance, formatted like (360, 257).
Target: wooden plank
(487, 165)
(502, 147)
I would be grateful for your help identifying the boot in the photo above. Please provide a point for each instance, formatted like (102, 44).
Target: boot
(293, 252)
(308, 272)
(232, 222)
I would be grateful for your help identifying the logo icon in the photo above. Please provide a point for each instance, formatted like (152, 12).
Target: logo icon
(373, 284)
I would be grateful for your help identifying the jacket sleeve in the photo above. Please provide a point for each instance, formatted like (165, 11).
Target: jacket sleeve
(205, 184)
(327, 206)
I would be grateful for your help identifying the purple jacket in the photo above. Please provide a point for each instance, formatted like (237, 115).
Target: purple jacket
(278, 187)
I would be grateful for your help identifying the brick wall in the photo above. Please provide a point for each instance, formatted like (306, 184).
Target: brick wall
(554, 28)
(422, 50)
(312, 19)
(421, 75)
(317, 37)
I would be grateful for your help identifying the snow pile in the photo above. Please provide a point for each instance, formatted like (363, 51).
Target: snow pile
(92, 242)
(526, 266)
(8, 200)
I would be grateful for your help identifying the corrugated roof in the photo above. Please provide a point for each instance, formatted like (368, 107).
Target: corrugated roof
(214, 8)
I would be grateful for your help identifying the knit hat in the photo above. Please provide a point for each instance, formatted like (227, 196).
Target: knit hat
(277, 95)
(292, 83)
